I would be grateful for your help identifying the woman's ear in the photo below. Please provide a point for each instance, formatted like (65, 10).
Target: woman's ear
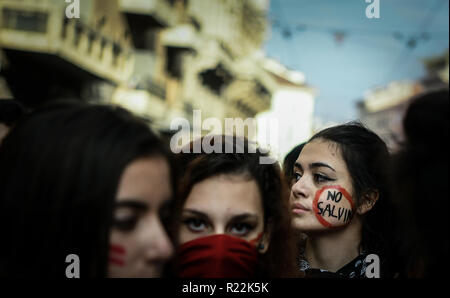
(368, 201)
(263, 244)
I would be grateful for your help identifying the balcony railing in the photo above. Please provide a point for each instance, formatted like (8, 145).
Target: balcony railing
(44, 28)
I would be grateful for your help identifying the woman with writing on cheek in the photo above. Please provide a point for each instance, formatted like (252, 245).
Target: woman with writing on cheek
(338, 200)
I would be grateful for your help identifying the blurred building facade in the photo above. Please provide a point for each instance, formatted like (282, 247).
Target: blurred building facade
(47, 55)
(291, 112)
(195, 55)
(161, 59)
(382, 109)
(437, 71)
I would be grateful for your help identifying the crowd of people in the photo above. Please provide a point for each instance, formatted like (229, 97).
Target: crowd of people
(95, 181)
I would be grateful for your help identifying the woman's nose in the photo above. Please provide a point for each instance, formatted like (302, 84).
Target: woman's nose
(219, 229)
(158, 245)
(300, 189)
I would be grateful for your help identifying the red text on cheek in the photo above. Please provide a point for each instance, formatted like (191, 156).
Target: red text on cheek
(117, 255)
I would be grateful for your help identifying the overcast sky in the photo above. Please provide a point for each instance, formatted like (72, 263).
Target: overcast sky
(343, 53)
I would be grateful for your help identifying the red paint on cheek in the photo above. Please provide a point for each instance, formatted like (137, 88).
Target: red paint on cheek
(117, 255)
(345, 195)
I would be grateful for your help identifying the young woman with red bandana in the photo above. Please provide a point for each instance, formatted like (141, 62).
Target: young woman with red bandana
(232, 219)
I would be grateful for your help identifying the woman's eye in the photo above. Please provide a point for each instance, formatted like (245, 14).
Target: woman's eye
(240, 229)
(321, 178)
(196, 224)
(297, 177)
(126, 224)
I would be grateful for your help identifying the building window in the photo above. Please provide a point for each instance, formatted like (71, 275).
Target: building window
(216, 79)
(24, 20)
(262, 92)
(117, 51)
(174, 62)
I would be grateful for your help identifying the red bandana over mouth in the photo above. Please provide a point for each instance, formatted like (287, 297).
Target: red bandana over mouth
(217, 256)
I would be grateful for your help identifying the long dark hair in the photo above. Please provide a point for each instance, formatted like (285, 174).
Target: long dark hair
(289, 161)
(59, 172)
(419, 185)
(10, 111)
(278, 261)
(367, 157)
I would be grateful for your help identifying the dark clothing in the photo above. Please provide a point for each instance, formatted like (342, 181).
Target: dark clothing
(355, 269)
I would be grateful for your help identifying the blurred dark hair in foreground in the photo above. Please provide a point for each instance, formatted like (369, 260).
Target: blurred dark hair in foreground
(419, 185)
(59, 171)
(10, 111)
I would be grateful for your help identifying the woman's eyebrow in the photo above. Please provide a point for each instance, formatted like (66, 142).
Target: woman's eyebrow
(244, 216)
(298, 166)
(196, 212)
(131, 203)
(321, 164)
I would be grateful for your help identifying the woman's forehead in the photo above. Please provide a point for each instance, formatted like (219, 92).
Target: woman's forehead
(321, 148)
(321, 151)
(222, 194)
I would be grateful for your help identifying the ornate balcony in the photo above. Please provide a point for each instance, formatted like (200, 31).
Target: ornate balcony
(42, 27)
